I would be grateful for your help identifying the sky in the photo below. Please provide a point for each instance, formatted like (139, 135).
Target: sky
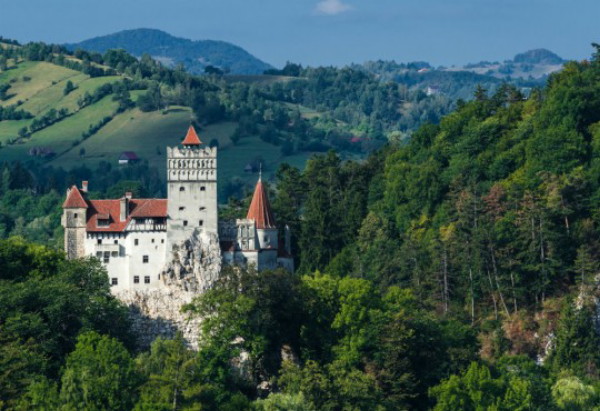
(328, 32)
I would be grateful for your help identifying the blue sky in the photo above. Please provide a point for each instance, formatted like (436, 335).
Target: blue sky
(324, 32)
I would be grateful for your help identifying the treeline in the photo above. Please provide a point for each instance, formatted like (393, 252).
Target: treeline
(13, 113)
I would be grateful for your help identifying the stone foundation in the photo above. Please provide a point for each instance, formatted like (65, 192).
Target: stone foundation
(194, 268)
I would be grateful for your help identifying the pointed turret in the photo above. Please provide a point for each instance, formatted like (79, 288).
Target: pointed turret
(260, 209)
(74, 199)
(191, 138)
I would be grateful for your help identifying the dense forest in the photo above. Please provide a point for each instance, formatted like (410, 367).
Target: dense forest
(455, 270)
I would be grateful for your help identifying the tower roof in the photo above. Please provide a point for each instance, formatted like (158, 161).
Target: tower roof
(260, 209)
(75, 199)
(191, 138)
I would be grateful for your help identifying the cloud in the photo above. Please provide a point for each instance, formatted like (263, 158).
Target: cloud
(332, 7)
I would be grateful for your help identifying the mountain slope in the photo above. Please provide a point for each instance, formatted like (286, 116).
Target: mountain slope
(170, 50)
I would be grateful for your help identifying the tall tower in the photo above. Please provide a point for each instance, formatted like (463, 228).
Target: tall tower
(192, 189)
(74, 220)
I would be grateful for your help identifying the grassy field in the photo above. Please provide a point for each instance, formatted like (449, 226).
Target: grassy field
(30, 78)
(9, 129)
(53, 96)
(60, 136)
(147, 134)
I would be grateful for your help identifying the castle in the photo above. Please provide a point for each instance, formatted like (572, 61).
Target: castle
(134, 238)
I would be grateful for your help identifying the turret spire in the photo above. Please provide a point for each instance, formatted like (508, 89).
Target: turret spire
(191, 138)
(260, 209)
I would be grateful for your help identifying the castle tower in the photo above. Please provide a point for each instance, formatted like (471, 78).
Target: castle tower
(260, 212)
(74, 220)
(192, 189)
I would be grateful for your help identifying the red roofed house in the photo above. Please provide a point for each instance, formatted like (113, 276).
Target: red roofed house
(128, 157)
(134, 238)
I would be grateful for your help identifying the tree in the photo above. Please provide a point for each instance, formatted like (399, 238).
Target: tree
(69, 87)
(99, 375)
(171, 371)
(571, 394)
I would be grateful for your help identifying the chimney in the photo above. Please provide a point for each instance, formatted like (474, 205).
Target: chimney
(84, 186)
(288, 240)
(124, 207)
(128, 195)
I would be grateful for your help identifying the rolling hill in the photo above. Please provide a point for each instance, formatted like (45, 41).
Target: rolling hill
(171, 50)
(38, 87)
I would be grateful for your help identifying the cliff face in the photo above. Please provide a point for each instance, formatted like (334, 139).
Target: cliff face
(195, 265)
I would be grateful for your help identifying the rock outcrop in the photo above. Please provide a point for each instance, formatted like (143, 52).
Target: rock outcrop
(194, 267)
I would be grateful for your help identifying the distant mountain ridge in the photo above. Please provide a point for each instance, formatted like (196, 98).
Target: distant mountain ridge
(532, 64)
(171, 50)
(538, 56)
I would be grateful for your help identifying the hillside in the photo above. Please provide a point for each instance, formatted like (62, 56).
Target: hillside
(171, 50)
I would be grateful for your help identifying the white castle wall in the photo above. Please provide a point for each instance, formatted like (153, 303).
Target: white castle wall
(126, 258)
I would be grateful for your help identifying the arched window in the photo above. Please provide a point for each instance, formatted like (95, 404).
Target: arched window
(181, 188)
(202, 188)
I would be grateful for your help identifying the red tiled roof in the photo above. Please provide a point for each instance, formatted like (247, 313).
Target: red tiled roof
(128, 155)
(74, 199)
(260, 209)
(138, 208)
(191, 138)
(155, 207)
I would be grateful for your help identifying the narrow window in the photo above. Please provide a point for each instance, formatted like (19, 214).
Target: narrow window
(162, 241)
(136, 279)
(185, 223)
(153, 241)
(145, 259)
(99, 254)
(116, 241)
(99, 241)
(136, 241)
(114, 281)
(201, 223)
(202, 188)
(147, 279)
(75, 215)
(106, 257)
(114, 254)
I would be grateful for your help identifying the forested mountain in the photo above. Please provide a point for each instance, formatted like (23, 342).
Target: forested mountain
(170, 50)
